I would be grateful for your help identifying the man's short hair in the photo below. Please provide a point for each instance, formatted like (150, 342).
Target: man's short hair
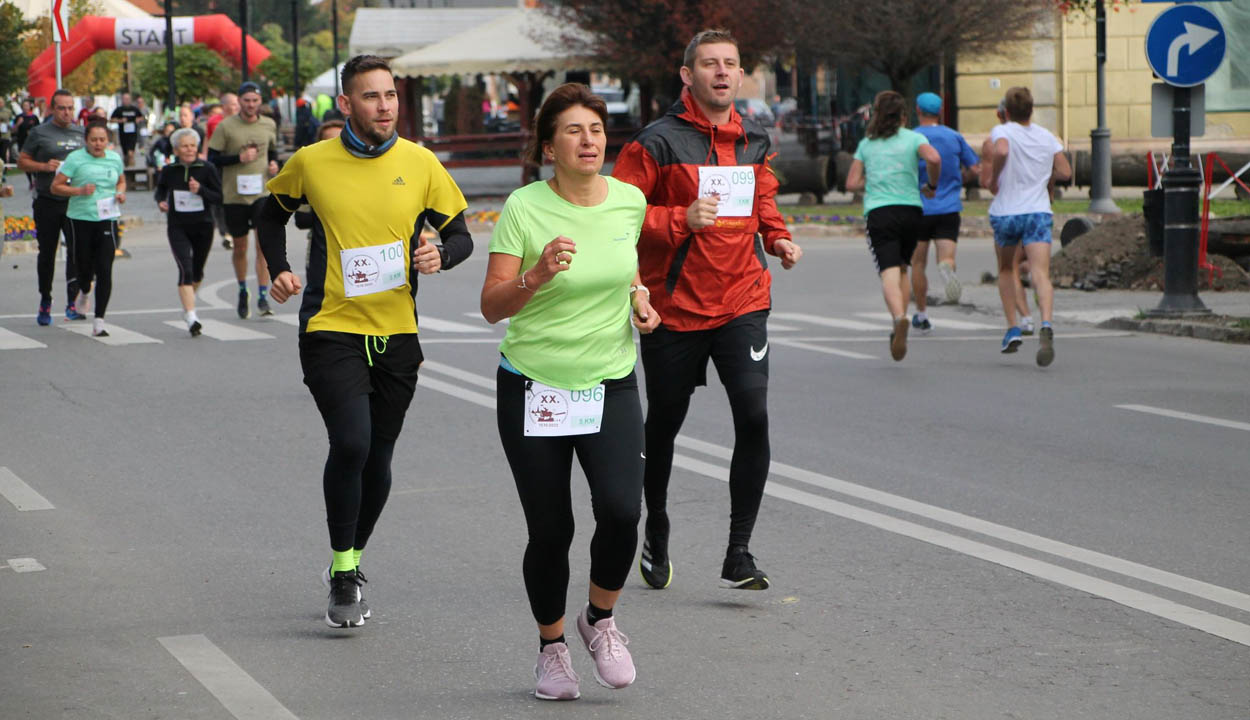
(1019, 104)
(62, 92)
(706, 37)
(358, 65)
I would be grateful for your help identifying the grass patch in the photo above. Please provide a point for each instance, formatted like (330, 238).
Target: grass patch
(1243, 323)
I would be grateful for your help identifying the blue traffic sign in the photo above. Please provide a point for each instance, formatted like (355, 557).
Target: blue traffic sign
(1185, 45)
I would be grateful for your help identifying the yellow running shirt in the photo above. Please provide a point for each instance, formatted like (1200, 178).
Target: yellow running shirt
(359, 272)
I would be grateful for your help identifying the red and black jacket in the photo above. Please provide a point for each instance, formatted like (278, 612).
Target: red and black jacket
(701, 280)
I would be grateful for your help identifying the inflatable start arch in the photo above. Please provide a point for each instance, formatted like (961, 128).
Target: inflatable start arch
(92, 34)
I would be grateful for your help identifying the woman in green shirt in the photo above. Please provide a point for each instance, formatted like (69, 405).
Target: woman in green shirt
(885, 169)
(94, 180)
(564, 267)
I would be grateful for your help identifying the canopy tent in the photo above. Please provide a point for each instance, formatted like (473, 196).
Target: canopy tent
(33, 9)
(519, 42)
(323, 83)
(391, 32)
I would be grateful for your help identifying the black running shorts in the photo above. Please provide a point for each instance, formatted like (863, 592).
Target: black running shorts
(676, 362)
(338, 366)
(241, 218)
(892, 232)
(939, 227)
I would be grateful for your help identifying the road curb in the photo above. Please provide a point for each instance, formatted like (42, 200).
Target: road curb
(1181, 328)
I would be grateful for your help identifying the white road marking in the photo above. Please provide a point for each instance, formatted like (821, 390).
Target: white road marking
(10, 340)
(1128, 568)
(25, 565)
(425, 322)
(1126, 596)
(238, 692)
(939, 337)
(218, 330)
(462, 375)
(20, 494)
(828, 321)
(1197, 619)
(116, 335)
(794, 343)
(207, 296)
(939, 322)
(1234, 424)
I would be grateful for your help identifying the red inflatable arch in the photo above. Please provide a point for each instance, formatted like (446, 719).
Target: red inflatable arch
(92, 34)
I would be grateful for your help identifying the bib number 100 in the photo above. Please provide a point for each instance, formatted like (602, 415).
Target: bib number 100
(594, 394)
(391, 252)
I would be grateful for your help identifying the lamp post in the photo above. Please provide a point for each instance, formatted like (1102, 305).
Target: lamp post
(334, 34)
(295, 47)
(171, 100)
(243, 36)
(1100, 137)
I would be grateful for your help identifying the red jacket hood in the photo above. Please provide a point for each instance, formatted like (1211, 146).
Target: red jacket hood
(688, 109)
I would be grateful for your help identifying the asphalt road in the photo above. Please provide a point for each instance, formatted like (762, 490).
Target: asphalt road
(960, 535)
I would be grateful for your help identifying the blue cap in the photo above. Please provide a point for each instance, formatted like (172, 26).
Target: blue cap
(929, 103)
(248, 87)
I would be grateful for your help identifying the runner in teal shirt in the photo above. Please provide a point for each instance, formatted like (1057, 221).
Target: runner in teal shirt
(95, 182)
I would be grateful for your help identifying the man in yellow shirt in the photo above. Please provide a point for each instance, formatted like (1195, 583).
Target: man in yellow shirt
(371, 192)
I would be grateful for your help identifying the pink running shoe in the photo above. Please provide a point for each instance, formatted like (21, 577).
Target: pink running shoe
(614, 667)
(553, 674)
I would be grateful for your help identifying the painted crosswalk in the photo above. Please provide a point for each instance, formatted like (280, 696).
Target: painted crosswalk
(10, 340)
(223, 331)
(117, 335)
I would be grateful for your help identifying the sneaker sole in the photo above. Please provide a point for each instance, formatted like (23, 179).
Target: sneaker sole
(953, 288)
(643, 569)
(898, 339)
(344, 624)
(753, 583)
(1012, 346)
(1046, 353)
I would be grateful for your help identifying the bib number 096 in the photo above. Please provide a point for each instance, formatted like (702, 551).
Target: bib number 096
(594, 394)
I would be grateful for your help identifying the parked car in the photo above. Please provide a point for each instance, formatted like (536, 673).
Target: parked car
(621, 113)
(757, 109)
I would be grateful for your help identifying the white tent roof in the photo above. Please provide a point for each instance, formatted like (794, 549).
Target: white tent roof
(323, 83)
(391, 32)
(507, 44)
(32, 9)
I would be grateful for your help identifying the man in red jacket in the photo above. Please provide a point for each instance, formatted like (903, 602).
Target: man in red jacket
(711, 218)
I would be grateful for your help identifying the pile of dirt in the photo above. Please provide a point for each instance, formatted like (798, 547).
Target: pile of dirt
(1115, 254)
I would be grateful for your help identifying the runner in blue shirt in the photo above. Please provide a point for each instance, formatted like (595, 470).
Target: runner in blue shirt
(941, 212)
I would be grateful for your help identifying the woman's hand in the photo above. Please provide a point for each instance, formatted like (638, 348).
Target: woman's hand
(644, 316)
(87, 189)
(194, 186)
(556, 258)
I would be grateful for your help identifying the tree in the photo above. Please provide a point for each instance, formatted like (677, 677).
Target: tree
(314, 56)
(643, 41)
(899, 38)
(198, 72)
(13, 55)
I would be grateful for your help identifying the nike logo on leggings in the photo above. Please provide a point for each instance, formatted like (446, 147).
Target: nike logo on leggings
(758, 355)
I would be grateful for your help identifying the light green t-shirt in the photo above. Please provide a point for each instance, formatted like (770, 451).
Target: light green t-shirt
(890, 169)
(81, 167)
(575, 331)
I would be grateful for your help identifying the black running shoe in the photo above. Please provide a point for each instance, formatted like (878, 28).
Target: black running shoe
(263, 306)
(344, 609)
(739, 571)
(654, 565)
(360, 596)
(225, 242)
(1046, 346)
(244, 312)
(195, 328)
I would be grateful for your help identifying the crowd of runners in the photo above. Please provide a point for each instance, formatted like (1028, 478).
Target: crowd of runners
(674, 244)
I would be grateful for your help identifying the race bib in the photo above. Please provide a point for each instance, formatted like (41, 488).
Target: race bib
(4, 127)
(552, 411)
(107, 208)
(129, 128)
(250, 184)
(732, 185)
(373, 269)
(187, 201)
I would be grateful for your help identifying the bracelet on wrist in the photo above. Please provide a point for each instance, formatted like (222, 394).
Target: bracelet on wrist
(523, 285)
(636, 288)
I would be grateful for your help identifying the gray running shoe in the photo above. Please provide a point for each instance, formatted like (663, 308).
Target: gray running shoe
(1046, 353)
(953, 288)
(898, 339)
(344, 609)
(360, 596)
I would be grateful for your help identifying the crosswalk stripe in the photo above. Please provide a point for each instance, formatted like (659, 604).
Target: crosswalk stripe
(425, 322)
(218, 330)
(23, 496)
(821, 349)
(116, 335)
(939, 322)
(829, 322)
(10, 340)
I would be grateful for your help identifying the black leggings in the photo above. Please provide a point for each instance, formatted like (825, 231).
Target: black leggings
(93, 244)
(748, 467)
(541, 466)
(357, 478)
(190, 245)
(50, 222)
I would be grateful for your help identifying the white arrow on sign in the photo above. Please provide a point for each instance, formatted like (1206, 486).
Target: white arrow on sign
(1195, 36)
